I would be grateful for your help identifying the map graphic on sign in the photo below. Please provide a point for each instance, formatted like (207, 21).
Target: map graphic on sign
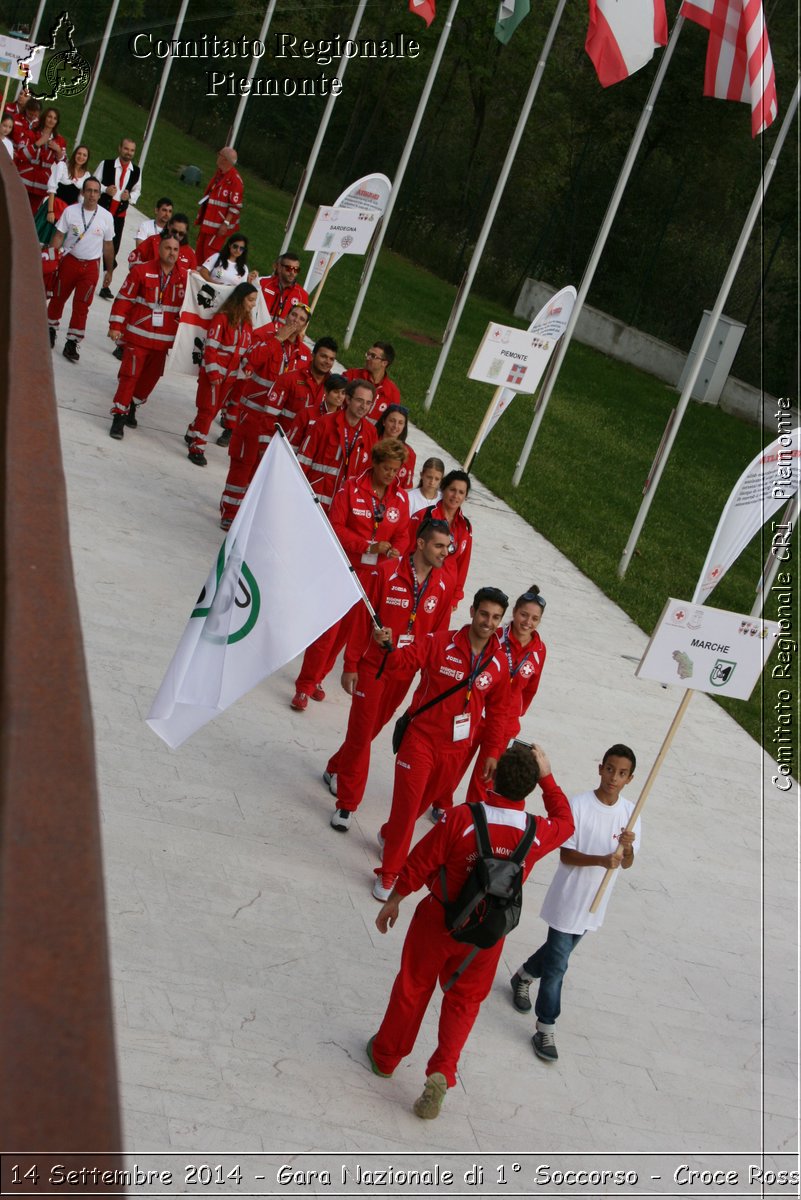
(66, 72)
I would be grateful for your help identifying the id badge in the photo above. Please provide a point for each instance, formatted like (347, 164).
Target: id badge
(158, 318)
(369, 559)
(405, 639)
(461, 727)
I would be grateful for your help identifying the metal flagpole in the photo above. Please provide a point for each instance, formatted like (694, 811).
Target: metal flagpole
(254, 63)
(467, 281)
(300, 194)
(159, 96)
(378, 241)
(96, 69)
(598, 248)
(709, 333)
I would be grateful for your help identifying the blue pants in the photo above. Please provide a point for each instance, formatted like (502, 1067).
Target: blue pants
(548, 964)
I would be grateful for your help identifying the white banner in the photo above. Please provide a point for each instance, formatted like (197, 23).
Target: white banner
(764, 487)
(280, 580)
(516, 358)
(201, 302)
(370, 194)
(20, 59)
(708, 649)
(342, 230)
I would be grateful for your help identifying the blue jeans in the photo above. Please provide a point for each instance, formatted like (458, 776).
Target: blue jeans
(548, 964)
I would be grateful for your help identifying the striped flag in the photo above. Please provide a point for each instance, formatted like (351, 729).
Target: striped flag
(739, 64)
(622, 36)
(424, 8)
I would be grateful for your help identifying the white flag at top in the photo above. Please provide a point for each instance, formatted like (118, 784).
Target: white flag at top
(280, 580)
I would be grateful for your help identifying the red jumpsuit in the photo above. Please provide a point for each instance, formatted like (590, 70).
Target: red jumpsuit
(280, 300)
(386, 392)
(305, 421)
(406, 473)
(334, 451)
(410, 612)
(226, 346)
(34, 164)
(292, 392)
(430, 762)
(525, 670)
(252, 415)
(222, 202)
(146, 293)
(148, 249)
(429, 951)
(458, 560)
(358, 518)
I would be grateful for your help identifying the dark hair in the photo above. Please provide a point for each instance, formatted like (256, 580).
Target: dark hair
(289, 255)
(393, 408)
(162, 201)
(241, 263)
(354, 384)
(493, 594)
(91, 179)
(455, 477)
(179, 217)
(32, 105)
(334, 382)
(432, 525)
(325, 343)
(234, 306)
(531, 596)
(71, 160)
(621, 751)
(518, 773)
(387, 350)
(38, 124)
(389, 448)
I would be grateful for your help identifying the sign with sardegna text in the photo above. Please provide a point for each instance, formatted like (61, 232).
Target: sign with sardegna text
(341, 230)
(708, 649)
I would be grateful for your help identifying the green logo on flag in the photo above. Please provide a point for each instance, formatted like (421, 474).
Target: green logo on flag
(242, 591)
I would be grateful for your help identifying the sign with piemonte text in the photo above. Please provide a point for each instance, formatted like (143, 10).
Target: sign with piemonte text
(512, 358)
(341, 230)
(708, 649)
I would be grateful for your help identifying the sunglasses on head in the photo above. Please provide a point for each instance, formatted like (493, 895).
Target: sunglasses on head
(532, 598)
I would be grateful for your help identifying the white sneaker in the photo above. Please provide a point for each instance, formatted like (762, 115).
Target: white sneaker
(341, 820)
(330, 782)
(382, 888)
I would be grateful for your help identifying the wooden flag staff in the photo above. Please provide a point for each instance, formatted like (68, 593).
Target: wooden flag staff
(496, 395)
(321, 284)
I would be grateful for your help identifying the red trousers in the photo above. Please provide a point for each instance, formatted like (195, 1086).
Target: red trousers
(245, 452)
(208, 244)
(431, 954)
(140, 371)
(208, 402)
(374, 702)
(79, 276)
(426, 776)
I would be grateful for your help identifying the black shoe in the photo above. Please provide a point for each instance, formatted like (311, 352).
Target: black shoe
(520, 997)
(198, 458)
(188, 438)
(130, 419)
(545, 1046)
(117, 430)
(106, 294)
(118, 352)
(52, 333)
(70, 350)
(224, 437)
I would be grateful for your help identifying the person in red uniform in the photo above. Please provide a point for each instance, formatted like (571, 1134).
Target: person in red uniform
(439, 743)
(394, 422)
(429, 951)
(455, 490)
(37, 151)
(86, 233)
(302, 388)
(334, 397)
(369, 515)
(253, 420)
(338, 446)
(227, 344)
(411, 596)
(220, 208)
(24, 118)
(178, 227)
(146, 311)
(378, 359)
(281, 290)
(525, 657)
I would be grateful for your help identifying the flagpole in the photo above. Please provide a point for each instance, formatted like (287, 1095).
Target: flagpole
(96, 69)
(162, 85)
(300, 194)
(598, 248)
(254, 64)
(378, 241)
(710, 330)
(467, 281)
(496, 395)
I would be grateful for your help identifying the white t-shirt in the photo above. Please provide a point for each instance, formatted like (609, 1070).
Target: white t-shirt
(85, 232)
(417, 500)
(221, 274)
(566, 906)
(146, 230)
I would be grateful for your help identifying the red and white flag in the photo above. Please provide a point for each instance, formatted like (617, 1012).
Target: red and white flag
(426, 9)
(739, 64)
(623, 35)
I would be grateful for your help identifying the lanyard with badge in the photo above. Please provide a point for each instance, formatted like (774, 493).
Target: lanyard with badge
(379, 512)
(158, 308)
(86, 227)
(461, 722)
(419, 590)
(508, 648)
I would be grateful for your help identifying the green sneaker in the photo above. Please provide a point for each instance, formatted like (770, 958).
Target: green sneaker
(376, 1070)
(429, 1103)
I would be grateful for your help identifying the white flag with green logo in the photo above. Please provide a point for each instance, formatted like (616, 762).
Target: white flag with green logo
(280, 580)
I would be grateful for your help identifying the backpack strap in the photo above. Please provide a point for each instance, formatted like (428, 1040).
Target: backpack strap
(524, 845)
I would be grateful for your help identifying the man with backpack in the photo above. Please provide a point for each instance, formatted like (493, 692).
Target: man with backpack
(445, 860)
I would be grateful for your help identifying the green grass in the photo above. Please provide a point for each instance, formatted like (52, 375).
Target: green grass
(583, 485)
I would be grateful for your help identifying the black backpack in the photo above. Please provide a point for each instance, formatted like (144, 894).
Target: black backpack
(491, 900)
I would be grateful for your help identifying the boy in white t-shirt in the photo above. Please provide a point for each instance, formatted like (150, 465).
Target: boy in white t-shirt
(598, 843)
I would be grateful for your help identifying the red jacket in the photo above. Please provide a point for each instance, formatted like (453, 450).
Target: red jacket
(149, 249)
(452, 841)
(222, 202)
(444, 659)
(359, 517)
(145, 292)
(386, 392)
(292, 392)
(525, 670)
(34, 162)
(406, 473)
(305, 421)
(458, 559)
(334, 452)
(280, 300)
(224, 349)
(391, 590)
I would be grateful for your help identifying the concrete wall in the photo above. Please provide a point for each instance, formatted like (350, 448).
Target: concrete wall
(620, 341)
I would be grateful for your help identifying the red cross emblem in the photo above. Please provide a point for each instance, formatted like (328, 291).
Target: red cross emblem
(484, 680)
